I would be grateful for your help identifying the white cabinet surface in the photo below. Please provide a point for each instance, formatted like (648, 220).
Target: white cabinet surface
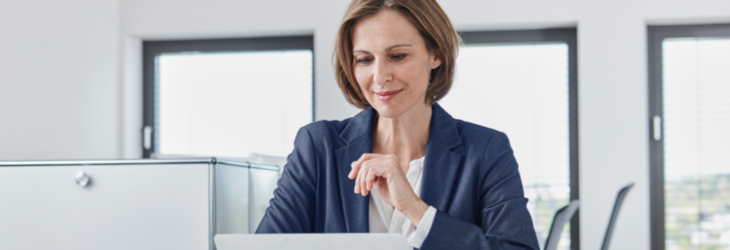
(129, 204)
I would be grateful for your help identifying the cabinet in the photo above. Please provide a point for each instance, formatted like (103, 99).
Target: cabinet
(130, 204)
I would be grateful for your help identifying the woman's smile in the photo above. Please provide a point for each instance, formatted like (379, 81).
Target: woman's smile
(385, 96)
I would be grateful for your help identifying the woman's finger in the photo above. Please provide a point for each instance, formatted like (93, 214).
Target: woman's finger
(356, 175)
(366, 156)
(370, 179)
(364, 169)
(355, 169)
(357, 164)
(362, 178)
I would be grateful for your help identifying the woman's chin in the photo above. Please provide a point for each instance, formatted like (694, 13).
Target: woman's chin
(387, 111)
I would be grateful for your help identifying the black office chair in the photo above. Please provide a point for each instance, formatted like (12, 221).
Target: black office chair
(616, 207)
(561, 218)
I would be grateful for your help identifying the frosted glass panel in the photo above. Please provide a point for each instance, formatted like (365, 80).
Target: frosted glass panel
(232, 199)
(232, 104)
(523, 91)
(263, 183)
(696, 97)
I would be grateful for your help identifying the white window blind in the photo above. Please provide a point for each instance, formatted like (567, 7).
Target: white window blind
(231, 104)
(523, 91)
(696, 97)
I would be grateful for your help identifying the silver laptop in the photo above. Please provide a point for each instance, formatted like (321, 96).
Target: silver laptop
(359, 241)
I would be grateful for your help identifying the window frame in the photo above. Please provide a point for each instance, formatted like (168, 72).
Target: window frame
(151, 49)
(656, 35)
(568, 36)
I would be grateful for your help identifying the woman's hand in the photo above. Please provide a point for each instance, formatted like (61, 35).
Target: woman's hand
(384, 174)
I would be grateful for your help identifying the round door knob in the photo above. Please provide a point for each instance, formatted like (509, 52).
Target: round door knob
(82, 179)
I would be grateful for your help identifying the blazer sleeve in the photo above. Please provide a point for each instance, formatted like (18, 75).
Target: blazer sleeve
(292, 208)
(505, 222)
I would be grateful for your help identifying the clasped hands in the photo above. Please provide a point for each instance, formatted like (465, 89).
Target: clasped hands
(384, 174)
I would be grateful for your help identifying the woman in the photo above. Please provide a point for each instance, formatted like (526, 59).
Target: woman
(403, 165)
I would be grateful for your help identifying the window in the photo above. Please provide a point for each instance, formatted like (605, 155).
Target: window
(690, 136)
(523, 83)
(227, 97)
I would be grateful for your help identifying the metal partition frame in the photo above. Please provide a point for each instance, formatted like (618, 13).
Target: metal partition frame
(568, 36)
(656, 35)
(212, 225)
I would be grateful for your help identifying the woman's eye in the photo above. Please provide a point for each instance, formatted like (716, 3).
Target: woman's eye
(363, 60)
(398, 57)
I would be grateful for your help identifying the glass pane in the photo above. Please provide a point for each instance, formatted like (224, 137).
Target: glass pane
(696, 93)
(263, 183)
(232, 104)
(232, 199)
(522, 90)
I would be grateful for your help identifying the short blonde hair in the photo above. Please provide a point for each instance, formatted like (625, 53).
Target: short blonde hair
(430, 21)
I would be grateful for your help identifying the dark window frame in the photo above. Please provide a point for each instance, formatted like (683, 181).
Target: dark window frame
(568, 36)
(151, 49)
(656, 35)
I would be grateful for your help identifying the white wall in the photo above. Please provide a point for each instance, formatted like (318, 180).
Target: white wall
(58, 84)
(62, 96)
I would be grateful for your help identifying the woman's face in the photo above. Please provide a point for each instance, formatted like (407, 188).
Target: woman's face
(392, 65)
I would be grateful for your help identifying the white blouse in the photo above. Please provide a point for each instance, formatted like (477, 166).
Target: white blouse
(385, 219)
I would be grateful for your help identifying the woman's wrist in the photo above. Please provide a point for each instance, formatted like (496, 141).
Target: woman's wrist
(415, 211)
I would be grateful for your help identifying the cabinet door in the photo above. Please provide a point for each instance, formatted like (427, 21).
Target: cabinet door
(123, 207)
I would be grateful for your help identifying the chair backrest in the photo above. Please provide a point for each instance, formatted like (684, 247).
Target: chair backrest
(561, 218)
(616, 207)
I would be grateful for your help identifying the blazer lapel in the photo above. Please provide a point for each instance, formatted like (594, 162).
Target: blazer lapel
(441, 164)
(358, 136)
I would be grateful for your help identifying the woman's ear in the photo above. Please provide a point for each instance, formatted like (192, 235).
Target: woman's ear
(436, 61)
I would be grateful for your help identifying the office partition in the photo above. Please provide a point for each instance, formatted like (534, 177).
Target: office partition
(130, 204)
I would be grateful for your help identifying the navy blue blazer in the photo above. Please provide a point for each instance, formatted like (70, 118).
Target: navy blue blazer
(470, 176)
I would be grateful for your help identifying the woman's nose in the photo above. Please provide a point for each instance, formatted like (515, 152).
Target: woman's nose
(382, 73)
